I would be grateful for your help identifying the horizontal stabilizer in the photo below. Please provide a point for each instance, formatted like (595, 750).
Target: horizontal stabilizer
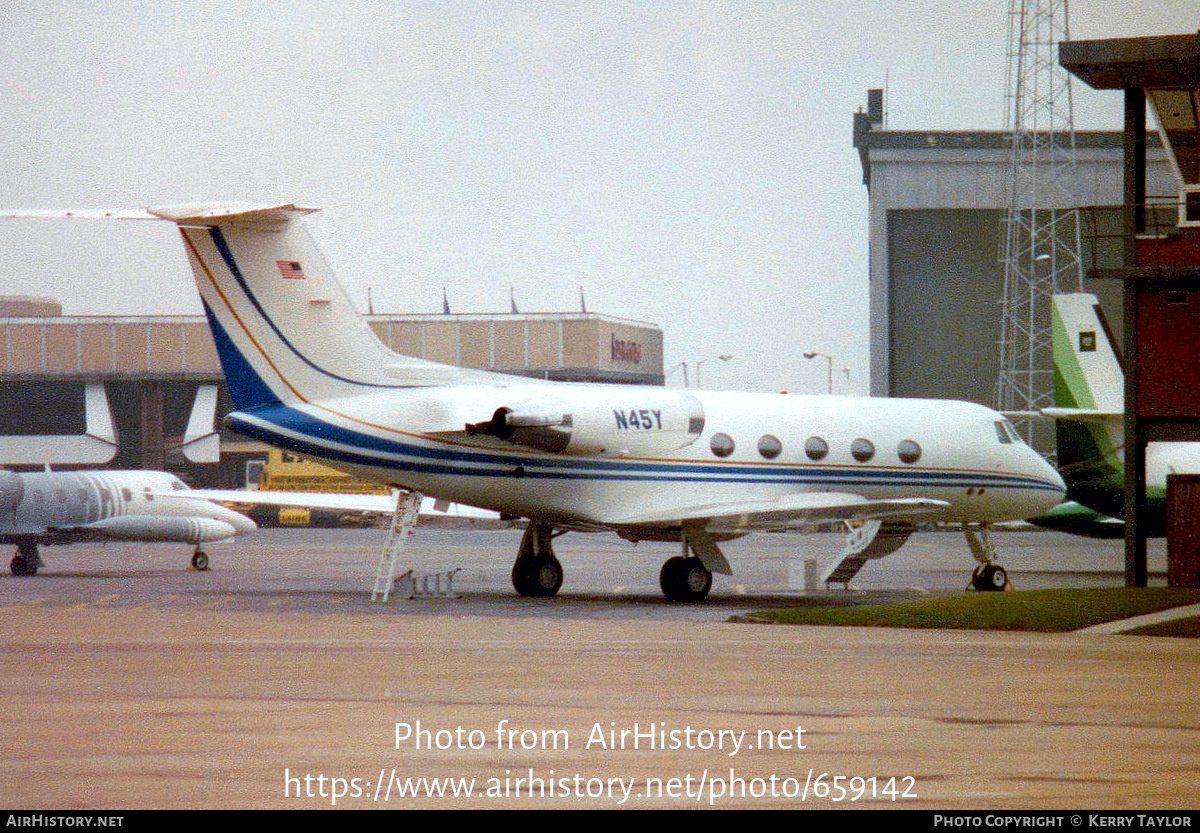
(209, 213)
(1083, 414)
(86, 214)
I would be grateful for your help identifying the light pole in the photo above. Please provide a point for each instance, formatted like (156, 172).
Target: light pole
(724, 358)
(676, 367)
(828, 358)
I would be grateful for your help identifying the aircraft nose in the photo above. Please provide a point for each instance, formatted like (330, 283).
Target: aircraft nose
(240, 522)
(1056, 488)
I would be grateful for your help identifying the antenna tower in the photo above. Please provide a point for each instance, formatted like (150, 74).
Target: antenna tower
(1041, 225)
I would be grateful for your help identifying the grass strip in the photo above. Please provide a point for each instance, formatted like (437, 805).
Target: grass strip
(1031, 610)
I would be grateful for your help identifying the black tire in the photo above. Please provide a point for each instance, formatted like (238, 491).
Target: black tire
(537, 577)
(685, 580)
(199, 561)
(989, 577)
(19, 565)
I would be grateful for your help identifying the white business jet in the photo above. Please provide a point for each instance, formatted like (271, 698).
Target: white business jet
(307, 374)
(72, 507)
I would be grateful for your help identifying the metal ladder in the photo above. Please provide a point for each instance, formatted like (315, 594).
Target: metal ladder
(404, 518)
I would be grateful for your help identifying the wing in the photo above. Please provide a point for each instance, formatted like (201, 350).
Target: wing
(795, 511)
(383, 504)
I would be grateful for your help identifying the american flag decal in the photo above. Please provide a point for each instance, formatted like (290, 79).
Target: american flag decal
(290, 269)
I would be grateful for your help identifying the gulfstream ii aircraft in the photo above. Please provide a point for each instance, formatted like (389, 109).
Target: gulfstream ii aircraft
(306, 373)
(70, 507)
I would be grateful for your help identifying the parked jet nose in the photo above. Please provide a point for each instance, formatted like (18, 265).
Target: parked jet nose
(1051, 490)
(237, 520)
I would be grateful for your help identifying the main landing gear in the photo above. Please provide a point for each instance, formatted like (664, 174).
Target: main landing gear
(988, 575)
(685, 579)
(26, 561)
(536, 572)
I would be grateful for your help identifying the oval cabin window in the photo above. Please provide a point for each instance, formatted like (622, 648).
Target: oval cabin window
(769, 446)
(816, 448)
(862, 450)
(721, 445)
(908, 451)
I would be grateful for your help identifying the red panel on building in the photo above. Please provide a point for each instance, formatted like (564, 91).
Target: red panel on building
(1168, 350)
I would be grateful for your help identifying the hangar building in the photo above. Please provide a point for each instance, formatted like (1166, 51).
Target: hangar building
(937, 201)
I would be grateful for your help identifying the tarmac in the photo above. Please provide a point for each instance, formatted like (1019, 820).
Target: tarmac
(272, 681)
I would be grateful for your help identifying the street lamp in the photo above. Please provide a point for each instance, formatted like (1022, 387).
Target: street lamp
(676, 367)
(724, 358)
(828, 358)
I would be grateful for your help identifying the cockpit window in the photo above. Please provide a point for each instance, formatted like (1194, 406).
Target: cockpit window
(177, 485)
(1007, 433)
(1002, 434)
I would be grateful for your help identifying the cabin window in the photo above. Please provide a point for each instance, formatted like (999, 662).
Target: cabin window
(908, 451)
(149, 494)
(862, 450)
(769, 446)
(816, 448)
(721, 445)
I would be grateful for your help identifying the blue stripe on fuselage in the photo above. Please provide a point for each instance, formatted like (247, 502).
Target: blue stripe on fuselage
(306, 434)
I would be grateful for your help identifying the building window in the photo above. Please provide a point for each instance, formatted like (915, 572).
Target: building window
(769, 446)
(721, 445)
(908, 451)
(816, 448)
(862, 450)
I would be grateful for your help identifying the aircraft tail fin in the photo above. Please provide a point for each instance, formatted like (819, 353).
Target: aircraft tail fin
(1089, 392)
(284, 328)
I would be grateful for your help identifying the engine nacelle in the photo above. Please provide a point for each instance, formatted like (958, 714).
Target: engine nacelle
(603, 422)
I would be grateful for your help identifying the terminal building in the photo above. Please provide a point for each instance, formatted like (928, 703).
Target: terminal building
(937, 203)
(147, 391)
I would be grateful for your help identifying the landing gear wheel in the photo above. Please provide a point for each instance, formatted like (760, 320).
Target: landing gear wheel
(26, 561)
(199, 560)
(685, 580)
(537, 577)
(536, 571)
(989, 577)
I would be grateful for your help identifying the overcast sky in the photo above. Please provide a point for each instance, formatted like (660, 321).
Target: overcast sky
(688, 163)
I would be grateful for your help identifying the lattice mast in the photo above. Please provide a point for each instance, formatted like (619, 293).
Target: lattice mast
(1041, 253)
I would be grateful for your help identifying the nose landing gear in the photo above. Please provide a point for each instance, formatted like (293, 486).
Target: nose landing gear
(988, 575)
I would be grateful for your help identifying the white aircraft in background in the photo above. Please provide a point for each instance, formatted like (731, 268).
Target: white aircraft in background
(307, 374)
(1090, 413)
(371, 504)
(71, 507)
